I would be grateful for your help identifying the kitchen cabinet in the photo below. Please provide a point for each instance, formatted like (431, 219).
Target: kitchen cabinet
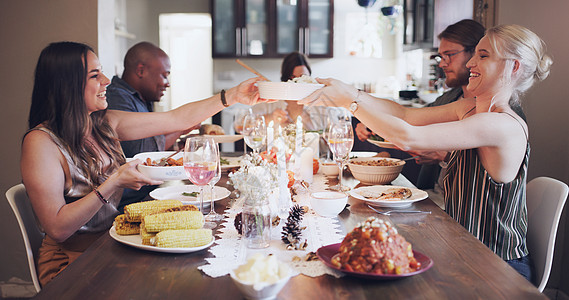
(272, 28)
(425, 19)
(418, 24)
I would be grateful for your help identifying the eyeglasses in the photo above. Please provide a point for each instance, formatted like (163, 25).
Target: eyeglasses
(446, 57)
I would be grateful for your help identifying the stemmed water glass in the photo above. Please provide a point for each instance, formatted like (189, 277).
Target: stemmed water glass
(213, 216)
(238, 118)
(341, 141)
(254, 131)
(201, 159)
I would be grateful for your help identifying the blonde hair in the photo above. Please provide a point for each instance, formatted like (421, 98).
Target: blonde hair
(517, 43)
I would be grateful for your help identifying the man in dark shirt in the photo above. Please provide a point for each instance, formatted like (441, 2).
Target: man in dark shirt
(457, 44)
(143, 82)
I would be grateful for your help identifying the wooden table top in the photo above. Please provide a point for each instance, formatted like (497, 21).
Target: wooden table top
(464, 268)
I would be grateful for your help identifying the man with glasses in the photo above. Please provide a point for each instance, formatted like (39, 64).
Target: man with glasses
(457, 43)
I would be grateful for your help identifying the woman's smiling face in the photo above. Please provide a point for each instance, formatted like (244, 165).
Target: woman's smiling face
(95, 85)
(486, 70)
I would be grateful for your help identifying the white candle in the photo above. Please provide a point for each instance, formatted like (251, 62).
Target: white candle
(299, 137)
(282, 176)
(270, 136)
(306, 170)
(312, 140)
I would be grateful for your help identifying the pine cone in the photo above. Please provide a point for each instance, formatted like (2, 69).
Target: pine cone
(238, 223)
(291, 230)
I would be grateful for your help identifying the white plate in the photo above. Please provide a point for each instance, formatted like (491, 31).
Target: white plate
(136, 241)
(417, 195)
(286, 90)
(225, 138)
(362, 154)
(175, 192)
(234, 162)
(383, 144)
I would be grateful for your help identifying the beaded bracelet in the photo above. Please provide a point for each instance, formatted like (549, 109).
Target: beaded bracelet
(105, 201)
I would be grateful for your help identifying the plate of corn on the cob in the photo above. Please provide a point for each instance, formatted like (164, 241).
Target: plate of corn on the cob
(162, 226)
(189, 194)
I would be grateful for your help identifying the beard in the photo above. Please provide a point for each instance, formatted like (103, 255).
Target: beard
(460, 78)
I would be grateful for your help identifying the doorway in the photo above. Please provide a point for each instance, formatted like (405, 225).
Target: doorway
(187, 40)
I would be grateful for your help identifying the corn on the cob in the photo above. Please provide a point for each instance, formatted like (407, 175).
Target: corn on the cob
(145, 235)
(183, 238)
(187, 207)
(174, 220)
(135, 212)
(124, 227)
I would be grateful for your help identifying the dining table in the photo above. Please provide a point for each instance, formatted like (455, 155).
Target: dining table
(463, 267)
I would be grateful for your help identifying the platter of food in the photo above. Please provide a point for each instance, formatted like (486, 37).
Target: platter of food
(173, 170)
(229, 163)
(374, 249)
(162, 226)
(225, 138)
(389, 195)
(135, 240)
(188, 194)
(326, 253)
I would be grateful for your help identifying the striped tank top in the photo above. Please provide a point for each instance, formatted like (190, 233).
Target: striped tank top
(495, 213)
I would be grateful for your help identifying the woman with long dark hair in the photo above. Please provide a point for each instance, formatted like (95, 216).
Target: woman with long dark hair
(72, 164)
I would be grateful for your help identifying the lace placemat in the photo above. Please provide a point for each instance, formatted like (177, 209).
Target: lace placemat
(230, 250)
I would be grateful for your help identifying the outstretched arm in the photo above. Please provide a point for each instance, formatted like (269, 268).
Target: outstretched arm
(132, 126)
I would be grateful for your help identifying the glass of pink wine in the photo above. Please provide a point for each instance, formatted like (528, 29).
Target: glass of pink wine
(201, 158)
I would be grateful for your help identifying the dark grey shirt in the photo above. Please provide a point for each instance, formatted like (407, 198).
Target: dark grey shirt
(122, 96)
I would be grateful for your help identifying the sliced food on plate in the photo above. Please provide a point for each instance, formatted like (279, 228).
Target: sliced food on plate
(391, 194)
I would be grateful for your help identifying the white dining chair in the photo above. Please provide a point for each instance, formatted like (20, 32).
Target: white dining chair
(31, 232)
(545, 201)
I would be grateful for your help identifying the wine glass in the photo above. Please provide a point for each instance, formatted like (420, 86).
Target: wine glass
(254, 131)
(341, 141)
(212, 216)
(201, 158)
(238, 123)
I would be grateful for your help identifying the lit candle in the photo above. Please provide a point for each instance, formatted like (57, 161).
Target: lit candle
(270, 136)
(312, 140)
(282, 176)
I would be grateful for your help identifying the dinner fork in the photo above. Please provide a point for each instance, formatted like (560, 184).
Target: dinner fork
(389, 212)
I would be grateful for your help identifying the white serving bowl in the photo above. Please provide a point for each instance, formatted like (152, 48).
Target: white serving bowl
(328, 203)
(373, 175)
(163, 173)
(286, 90)
(260, 291)
(329, 168)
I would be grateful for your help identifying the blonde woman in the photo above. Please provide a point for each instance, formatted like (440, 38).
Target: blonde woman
(485, 184)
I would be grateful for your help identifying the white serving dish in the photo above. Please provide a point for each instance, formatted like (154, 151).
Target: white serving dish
(163, 173)
(372, 175)
(286, 90)
(260, 290)
(328, 203)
